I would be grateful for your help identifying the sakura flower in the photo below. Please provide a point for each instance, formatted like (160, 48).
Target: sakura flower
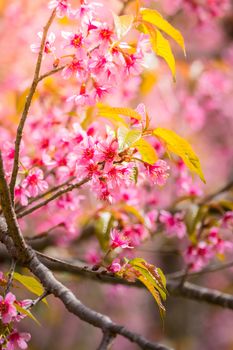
(227, 220)
(7, 308)
(219, 245)
(8, 151)
(133, 63)
(18, 340)
(22, 195)
(117, 176)
(34, 182)
(135, 234)
(85, 10)
(49, 48)
(100, 90)
(102, 64)
(75, 67)
(198, 256)
(174, 224)
(187, 186)
(93, 257)
(61, 7)
(105, 34)
(107, 150)
(83, 98)
(115, 266)
(119, 240)
(157, 173)
(151, 218)
(76, 41)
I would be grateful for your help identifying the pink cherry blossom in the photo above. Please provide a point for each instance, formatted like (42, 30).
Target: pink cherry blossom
(198, 256)
(18, 340)
(22, 195)
(7, 308)
(49, 48)
(227, 220)
(62, 7)
(34, 182)
(115, 266)
(118, 240)
(174, 224)
(77, 67)
(157, 173)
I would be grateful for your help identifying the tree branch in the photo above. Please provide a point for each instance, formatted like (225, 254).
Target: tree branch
(187, 290)
(107, 341)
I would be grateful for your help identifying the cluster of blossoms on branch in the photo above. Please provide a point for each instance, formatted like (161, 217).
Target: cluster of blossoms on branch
(214, 242)
(204, 10)
(95, 53)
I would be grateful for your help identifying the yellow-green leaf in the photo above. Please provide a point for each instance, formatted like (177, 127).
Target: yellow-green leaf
(160, 45)
(151, 273)
(126, 137)
(32, 284)
(26, 312)
(149, 79)
(123, 24)
(132, 210)
(105, 110)
(21, 100)
(147, 152)
(155, 294)
(178, 145)
(154, 17)
(115, 119)
(163, 49)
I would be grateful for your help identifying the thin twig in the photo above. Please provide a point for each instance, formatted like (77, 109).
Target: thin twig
(27, 106)
(56, 195)
(10, 276)
(38, 300)
(211, 196)
(51, 190)
(51, 72)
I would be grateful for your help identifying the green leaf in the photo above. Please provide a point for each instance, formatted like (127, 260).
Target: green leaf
(134, 175)
(178, 145)
(123, 24)
(26, 312)
(126, 137)
(102, 229)
(147, 152)
(154, 17)
(32, 284)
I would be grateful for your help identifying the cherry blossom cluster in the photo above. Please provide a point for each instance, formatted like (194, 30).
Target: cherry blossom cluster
(215, 243)
(204, 10)
(94, 53)
(10, 337)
